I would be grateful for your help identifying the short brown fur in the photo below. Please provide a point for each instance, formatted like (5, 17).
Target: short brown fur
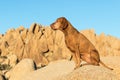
(81, 47)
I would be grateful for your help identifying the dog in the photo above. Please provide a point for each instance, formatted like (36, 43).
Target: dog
(78, 44)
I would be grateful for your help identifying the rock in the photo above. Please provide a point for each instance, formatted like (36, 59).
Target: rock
(44, 45)
(24, 35)
(25, 44)
(53, 70)
(2, 59)
(35, 47)
(24, 67)
(0, 36)
(112, 61)
(15, 44)
(4, 48)
(64, 70)
(90, 73)
(37, 29)
(56, 45)
(90, 34)
(106, 45)
(12, 59)
(1, 77)
(20, 29)
(32, 27)
(60, 46)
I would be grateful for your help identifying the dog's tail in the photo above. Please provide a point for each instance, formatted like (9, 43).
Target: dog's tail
(105, 65)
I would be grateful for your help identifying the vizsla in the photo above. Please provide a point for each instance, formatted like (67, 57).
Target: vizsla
(81, 47)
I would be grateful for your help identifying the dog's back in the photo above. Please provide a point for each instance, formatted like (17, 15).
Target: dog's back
(85, 44)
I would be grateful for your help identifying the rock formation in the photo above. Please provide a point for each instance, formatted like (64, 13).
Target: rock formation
(41, 44)
(44, 45)
(106, 44)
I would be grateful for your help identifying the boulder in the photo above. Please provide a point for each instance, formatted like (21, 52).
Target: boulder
(106, 45)
(23, 68)
(56, 45)
(12, 58)
(64, 70)
(35, 46)
(12, 43)
(53, 70)
(90, 73)
(1, 77)
(32, 27)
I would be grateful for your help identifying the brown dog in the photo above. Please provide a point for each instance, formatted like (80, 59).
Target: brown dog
(78, 43)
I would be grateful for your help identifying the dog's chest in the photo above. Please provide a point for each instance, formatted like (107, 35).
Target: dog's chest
(71, 43)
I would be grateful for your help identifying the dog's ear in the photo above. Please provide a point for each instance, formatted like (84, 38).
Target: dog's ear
(64, 23)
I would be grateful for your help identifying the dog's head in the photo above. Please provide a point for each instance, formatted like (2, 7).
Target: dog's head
(60, 24)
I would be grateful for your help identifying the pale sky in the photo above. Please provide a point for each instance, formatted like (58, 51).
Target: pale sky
(101, 15)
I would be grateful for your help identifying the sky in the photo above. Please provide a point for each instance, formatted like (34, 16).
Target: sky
(100, 15)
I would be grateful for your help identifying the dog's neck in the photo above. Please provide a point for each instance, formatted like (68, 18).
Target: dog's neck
(69, 30)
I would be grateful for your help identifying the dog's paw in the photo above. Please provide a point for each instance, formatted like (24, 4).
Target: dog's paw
(77, 66)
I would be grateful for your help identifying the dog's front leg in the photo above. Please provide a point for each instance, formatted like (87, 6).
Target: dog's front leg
(77, 57)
